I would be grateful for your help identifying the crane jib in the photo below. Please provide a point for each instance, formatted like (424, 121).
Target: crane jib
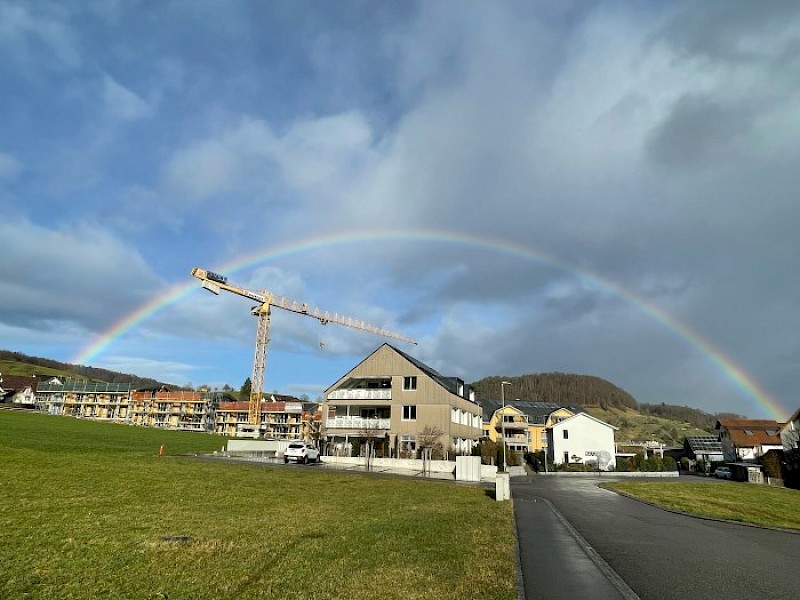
(251, 295)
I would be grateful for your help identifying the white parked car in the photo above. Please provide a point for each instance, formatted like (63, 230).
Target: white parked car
(301, 452)
(723, 473)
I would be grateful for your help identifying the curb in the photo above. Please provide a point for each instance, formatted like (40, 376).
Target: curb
(520, 581)
(675, 511)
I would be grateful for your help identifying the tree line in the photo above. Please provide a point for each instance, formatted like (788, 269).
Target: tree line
(82, 372)
(560, 388)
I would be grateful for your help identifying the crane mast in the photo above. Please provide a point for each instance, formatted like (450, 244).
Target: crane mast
(214, 283)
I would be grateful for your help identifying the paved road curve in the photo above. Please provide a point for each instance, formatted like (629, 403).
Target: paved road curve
(659, 554)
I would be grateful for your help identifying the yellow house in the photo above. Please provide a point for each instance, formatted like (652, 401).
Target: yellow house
(525, 422)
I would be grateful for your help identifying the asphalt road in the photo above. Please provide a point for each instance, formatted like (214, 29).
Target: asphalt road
(660, 555)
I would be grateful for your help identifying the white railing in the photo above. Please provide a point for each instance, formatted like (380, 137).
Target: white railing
(360, 394)
(343, 422)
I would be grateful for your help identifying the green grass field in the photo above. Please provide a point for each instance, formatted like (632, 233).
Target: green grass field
(89, 510)
(744, 502)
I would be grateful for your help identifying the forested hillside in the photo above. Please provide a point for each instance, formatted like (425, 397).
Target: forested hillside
(561, 388)
(686, 414)
(16, 363)
(603, 399)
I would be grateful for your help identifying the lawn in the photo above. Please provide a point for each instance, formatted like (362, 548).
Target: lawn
(90, 510)
(744, 502)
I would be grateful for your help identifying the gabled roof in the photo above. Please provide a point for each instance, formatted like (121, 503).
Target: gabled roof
(451, 384)
(537, 412)
(17, 383)
(794, 418)
(749, 433)
(580, 416)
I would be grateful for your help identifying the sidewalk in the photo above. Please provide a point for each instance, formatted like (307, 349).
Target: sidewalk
(556, 561)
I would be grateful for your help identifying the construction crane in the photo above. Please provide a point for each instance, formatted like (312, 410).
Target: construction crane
(214, 282)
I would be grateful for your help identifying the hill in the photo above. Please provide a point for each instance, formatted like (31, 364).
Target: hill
(16, 363)
(602, 399)
(561, 388)
(637, 426)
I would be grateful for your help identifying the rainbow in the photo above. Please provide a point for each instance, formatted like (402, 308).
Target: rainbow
(173, 294)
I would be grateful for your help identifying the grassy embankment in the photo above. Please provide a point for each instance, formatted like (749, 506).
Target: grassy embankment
(744, 502)
(632, 425)
(90, 510)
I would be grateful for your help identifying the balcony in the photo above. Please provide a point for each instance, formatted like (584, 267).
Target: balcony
(360, 394)
(360, 423)
(517, 439)
(512, 425)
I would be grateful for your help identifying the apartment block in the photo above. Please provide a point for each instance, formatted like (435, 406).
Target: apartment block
(525, 422)
(79, 398)
(280, 418)
(174, 409)
(398, 402)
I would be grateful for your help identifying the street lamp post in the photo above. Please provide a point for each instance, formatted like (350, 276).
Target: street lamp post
(503, 385)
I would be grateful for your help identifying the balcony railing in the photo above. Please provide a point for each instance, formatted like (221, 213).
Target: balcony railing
(516, 425)
(344, 422)
(360, 394)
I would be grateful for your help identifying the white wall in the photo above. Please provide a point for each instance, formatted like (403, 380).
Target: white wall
(589, 439)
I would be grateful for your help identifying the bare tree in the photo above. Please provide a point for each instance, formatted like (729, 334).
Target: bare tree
(369, 432)
(427, 439)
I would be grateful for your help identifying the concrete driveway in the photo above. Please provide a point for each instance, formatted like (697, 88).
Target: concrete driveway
(580, 541)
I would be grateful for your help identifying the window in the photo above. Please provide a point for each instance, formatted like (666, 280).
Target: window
(566, 457)
(409, 412)
(566, 434)
(407, 443)
(410, 383)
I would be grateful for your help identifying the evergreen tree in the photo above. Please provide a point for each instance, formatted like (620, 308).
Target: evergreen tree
(244, 392)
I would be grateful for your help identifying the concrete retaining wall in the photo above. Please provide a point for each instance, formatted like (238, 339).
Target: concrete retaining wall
(620, 474)
(406, 464)
(256, 447)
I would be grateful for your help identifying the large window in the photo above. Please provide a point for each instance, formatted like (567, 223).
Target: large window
(410, 383)
(409, 412)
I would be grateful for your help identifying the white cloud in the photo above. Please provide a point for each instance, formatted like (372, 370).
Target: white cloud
(42, 267)
(9, 166)
(26, 29)
(228, 161)
(123, 104)
(320, 152)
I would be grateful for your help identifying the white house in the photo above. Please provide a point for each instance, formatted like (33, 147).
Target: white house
(18, 389)
(582, 439)
(790, 432)
(748, 439)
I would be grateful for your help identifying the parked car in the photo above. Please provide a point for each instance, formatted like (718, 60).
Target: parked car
(723, 473)
(301, 452)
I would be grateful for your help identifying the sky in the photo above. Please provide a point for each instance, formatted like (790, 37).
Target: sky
(601, 188)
